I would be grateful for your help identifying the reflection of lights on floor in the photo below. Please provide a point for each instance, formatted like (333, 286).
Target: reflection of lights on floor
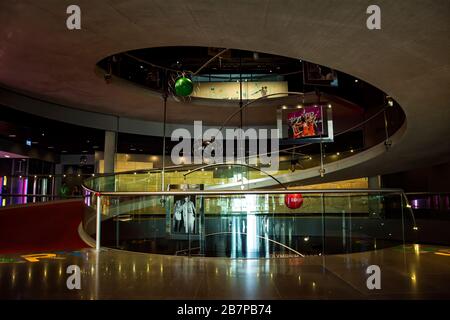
(442, 254)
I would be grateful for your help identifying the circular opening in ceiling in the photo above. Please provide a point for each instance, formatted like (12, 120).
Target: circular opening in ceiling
(193, 74)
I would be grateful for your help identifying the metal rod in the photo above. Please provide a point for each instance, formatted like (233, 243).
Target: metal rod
(164, 144)
(99, 221)
(244, 192)
(209, 61)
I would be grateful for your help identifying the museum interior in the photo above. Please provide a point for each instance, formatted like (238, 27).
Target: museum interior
(198, 150)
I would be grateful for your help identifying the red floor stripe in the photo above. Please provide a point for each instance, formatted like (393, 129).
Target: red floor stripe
(41, 227)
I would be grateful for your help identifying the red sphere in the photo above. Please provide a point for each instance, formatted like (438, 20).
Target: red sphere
(293, 200)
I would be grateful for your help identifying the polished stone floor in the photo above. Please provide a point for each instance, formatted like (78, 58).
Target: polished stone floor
(407, 272)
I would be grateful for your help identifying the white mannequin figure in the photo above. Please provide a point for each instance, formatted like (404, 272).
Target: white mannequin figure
(188, 214)
(178, 215)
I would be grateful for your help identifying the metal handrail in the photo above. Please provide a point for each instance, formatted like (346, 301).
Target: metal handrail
(239, 192)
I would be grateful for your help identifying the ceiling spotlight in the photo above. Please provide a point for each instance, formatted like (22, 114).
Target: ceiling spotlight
(390, 101)
(299, 106)
(356, 80)
(284, 107)
(337, 153)
(64, 151)
(12, 136)
(329, 106)
(351, 150)
(6, 156)
(51, 147)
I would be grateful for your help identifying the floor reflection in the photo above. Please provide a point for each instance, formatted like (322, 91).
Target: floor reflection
(117, 274)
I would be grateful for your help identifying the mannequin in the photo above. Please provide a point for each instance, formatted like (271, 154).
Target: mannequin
(188, 215)
(177, 216)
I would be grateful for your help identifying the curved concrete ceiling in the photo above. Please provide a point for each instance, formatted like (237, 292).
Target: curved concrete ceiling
(408, 58)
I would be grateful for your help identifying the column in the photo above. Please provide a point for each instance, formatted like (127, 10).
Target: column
(109, 151)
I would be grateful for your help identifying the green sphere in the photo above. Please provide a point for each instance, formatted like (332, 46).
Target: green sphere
(183, 86)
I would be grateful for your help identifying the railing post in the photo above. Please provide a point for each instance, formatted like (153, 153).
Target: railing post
(99, 221)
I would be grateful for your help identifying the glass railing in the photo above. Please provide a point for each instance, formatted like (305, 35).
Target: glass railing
(26, 189)
(249, 223)
(430, 205)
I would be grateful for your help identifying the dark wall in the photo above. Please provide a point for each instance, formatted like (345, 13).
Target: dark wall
(428, 179)
(5, 167)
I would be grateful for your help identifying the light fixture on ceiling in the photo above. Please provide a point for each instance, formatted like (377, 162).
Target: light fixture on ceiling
(12, 136)
(390, 101)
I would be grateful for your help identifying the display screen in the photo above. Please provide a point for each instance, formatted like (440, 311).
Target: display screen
(307, 122)
(319, 75)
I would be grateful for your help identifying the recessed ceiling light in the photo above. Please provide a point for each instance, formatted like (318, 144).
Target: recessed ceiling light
(95, 147)
(12, 136)
(356, 80)
(34, 142)
(64, 151)
(6, 156)
(51, 147)
(132, 149)
(84, 151)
